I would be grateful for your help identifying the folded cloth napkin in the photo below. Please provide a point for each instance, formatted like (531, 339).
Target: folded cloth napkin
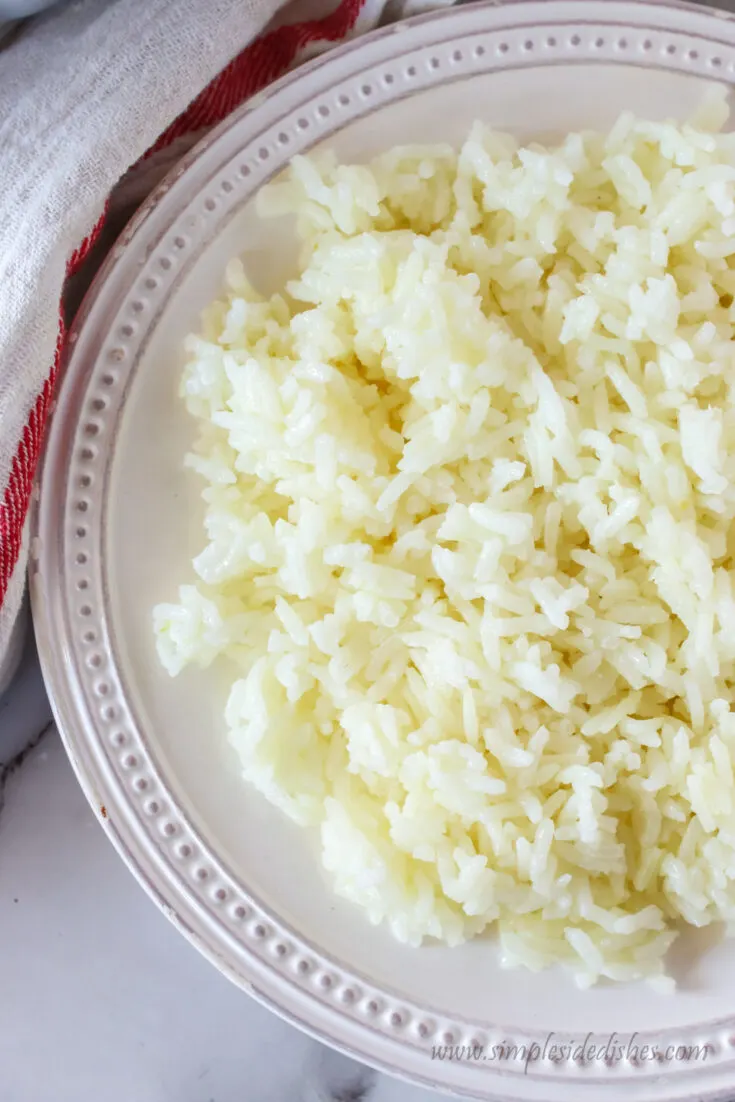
(85, 93)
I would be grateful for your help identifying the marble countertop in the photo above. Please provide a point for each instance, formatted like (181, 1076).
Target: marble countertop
(101, 998)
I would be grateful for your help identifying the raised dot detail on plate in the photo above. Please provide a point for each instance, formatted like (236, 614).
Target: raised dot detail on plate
(423, 1029)
(343, 100)
(82, 506)
(240, 912)
(152, 807)
(411, 71)
(259, 931)
(715, 62)
(184, 850)
(396, 1020)
(126, 331)
(141, 784)
(347, 995)
(83, 584)
(551, 42)
(528, 45)
(323, 111)
(98, 404)
(693, 55)
(227, 188)
(210, 204)
(280, 949)
(81, 558)
(179, 242)
(388, 78)
(325, 981)
(457, 55)
(303, 967)
(168, 829)
(575, 40)
(671, 49)
(95, 661)
(303, 124)
(647, 44)
(137, 306)
(479, 51)
(116, 355)
(283, 138)
(366, 90)
(91, 428)
(109, 712)
(201, 873)
(87, 453)
(165, 261)
(622, 43)
(80, 533)
(129, 761)
(220, 895)
(447, 1038)
(85, 610)
(108, 380)
(89, 637)
(371, 1007)
(503, 48)
(118, 739)
(151, 283)
(434, 63)
(263, 153)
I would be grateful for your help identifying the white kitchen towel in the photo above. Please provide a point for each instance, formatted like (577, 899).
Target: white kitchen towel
(85, 92)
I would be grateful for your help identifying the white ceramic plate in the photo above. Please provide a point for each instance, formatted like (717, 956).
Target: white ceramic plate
(119, 521)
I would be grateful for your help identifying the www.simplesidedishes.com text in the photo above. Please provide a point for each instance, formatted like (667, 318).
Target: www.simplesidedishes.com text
(612, 1049)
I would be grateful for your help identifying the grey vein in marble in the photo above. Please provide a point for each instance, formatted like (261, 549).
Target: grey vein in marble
(332, 1077)
(9, 768)
(24, 707)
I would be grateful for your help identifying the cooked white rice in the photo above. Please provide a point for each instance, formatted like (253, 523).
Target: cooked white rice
(469, 506)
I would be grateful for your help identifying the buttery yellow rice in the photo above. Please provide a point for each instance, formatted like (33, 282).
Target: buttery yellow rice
(469, 536)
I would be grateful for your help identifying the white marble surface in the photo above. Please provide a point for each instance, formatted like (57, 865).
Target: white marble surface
(100, 998)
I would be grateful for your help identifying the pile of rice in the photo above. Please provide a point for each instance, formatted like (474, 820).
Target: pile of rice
(470, 490)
